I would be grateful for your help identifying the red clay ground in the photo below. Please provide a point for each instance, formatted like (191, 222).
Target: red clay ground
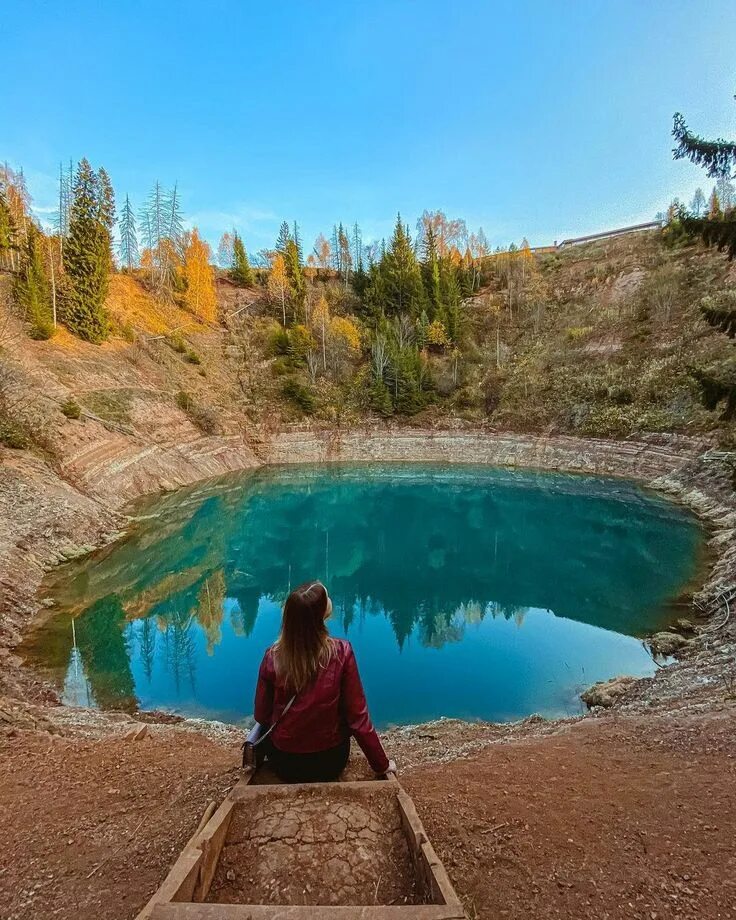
(616, 818)
(608, 818)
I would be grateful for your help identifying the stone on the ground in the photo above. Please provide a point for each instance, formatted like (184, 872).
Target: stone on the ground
(668, 643)
(606, 692)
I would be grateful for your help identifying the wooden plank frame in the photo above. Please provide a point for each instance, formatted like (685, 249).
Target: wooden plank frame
(182, 894)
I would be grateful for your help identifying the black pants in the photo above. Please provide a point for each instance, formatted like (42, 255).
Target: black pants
(319, 767)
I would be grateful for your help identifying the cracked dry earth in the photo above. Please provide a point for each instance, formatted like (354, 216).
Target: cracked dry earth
(346, 847)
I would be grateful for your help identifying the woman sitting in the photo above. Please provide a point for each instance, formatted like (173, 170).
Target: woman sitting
(309, 689)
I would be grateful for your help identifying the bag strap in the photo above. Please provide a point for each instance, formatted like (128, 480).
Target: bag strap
(271, 728)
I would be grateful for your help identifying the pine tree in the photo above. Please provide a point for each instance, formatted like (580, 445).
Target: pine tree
(402, 279)
(242, 273)
(718, 158)
(66, 182)
(294, 271)
(431, 271)
(86, 260)
(106, 200)
(31, 286)
(346, 260)
(128, 246)
(283, 238)
(298, 241)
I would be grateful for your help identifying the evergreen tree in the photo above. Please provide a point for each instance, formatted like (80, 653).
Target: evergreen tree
(298, 240)
(241, 273)
(128, 246)
(294, 271)
(345, 258)
(357, 243)
(718, 158)
(431, 271)
(86, 260)
(31, 286)
(402, 279)
(106, 200)
(283, 238)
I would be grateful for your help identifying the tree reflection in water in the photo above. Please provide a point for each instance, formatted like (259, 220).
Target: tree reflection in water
(433, 550)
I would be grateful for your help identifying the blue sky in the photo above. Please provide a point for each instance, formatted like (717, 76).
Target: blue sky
(531, 119)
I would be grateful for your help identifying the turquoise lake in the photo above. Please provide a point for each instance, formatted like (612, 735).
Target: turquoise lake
(466, 591)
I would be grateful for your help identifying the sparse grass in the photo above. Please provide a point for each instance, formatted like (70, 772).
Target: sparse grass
(110, 405)
(204, 417)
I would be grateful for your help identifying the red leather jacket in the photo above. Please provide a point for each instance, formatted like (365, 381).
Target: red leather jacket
(325, 713)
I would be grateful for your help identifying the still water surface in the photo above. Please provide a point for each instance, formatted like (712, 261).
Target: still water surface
(466, 591)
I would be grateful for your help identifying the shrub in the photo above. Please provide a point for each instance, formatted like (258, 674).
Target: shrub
(278, 342)
(299, 395)
(184, 401)
(192, 357)
(41, 329)
(204, 417)
(178, 344)
(12, 434)
(71, 408)
(127, 331)
(280, 367)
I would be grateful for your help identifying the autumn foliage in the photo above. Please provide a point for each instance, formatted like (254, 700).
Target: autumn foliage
(199, 277)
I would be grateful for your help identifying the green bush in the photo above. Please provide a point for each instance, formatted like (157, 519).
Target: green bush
(192, 357)
(178, 344)
(41, 329)
(204, 417)
(12, 434)
(278, 342)
(299, 395)
(281, 366)
(71, 408)
(184, 401)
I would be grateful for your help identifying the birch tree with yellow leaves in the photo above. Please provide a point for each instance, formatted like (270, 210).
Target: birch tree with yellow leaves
(199, 277)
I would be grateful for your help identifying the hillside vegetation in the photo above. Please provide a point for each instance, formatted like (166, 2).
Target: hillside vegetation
(607, 339)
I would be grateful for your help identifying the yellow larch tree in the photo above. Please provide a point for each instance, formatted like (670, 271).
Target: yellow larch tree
(344, 343)
(320, 324)
(200, 296)
(279, 288)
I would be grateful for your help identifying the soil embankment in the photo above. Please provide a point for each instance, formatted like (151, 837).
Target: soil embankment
(527, 817)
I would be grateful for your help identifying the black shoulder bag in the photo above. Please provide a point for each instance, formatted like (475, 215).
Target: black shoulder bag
(252, 756)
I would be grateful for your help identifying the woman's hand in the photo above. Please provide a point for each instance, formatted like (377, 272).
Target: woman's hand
(391, 768)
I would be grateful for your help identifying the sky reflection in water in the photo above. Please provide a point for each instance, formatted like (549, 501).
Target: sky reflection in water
(466, 591)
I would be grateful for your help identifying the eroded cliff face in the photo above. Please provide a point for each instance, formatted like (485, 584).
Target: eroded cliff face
(142, 429)
(643, 459)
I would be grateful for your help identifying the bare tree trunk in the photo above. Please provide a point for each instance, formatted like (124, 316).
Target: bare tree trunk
(53, 280)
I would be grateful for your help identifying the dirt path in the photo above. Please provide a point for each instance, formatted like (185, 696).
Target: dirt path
(620, 817)
(615, 818)
(90, 827)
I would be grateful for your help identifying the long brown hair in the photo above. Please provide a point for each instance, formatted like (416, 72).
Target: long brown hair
(304, 645)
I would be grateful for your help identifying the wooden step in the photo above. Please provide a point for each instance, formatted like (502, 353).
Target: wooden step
(183, 911)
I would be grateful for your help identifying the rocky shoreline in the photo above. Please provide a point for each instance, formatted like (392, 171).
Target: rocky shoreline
(45, 520)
